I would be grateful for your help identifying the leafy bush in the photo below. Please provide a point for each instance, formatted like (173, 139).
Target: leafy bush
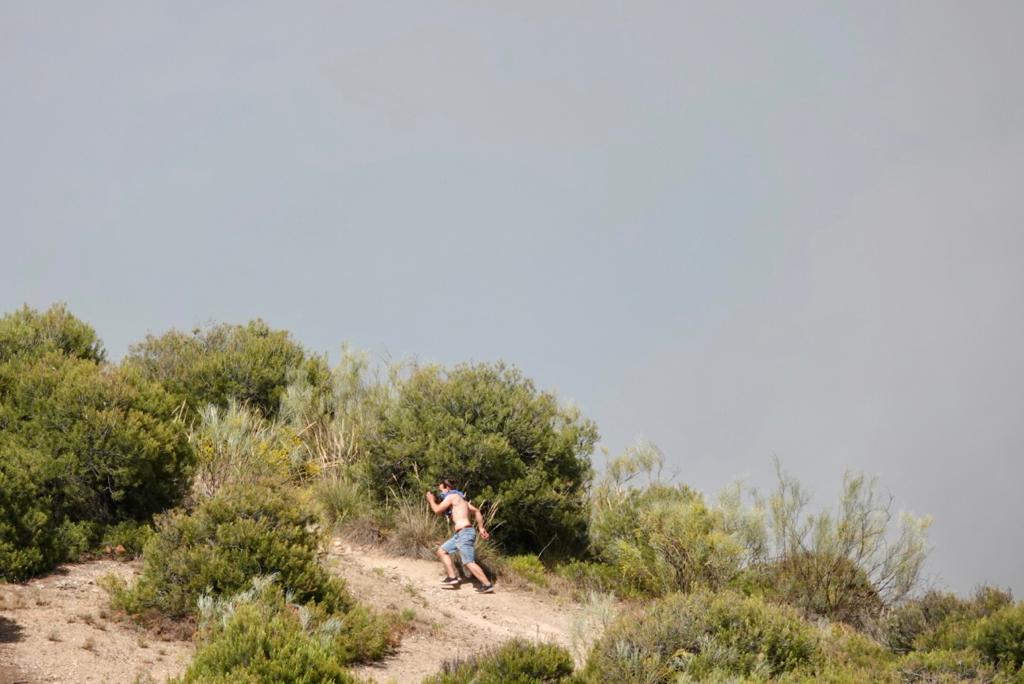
(849, 657)
(658, 538)
(846, 565)
(250, 363)
(333, 411)
(237, 446)
(944, 666)
(940, 620)
(84, 445)
(824, 584)
(239, 533)
(114, 451)
(527, 568)
(261, 637)
(130, 535)
(490, 428)
(590, 576)
(340, 499)
(26, 332)
(515, 662)
(1000, 637)
(29, 540)
(701, 635)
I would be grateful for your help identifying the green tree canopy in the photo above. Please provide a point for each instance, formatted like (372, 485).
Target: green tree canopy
(250, 363)
(84, 444)
(488, 426)
(27, 332)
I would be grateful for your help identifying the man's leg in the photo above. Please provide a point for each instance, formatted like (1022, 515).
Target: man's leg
(446, 560)
(466, 540)
(477, 571)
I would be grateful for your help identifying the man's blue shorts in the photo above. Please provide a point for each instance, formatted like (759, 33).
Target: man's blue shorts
(463, 542)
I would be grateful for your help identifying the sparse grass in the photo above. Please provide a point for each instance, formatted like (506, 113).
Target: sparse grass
(599, 611)
(513, 661)
(340, 499)
(12, 602)
(415, 592)
(417, 531)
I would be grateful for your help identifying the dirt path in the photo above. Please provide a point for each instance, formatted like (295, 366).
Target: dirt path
(57, 628)
(449, 623)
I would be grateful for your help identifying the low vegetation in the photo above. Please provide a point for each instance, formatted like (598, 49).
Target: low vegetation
(515, 662)
(703, 635)
(225, 456)
(215, 550)
(263, 635)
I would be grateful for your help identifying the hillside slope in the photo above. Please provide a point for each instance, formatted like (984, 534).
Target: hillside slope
(449, 623)
(58, 628)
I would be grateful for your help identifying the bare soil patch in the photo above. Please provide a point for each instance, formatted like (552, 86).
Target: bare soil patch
(59, 628)
(450, 623)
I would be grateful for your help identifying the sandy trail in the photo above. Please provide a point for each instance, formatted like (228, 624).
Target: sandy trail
(59, 627)
(449, 623)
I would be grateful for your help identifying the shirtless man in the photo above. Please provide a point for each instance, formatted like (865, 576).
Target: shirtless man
(454, 503)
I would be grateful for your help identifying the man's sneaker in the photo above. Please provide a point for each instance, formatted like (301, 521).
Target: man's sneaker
(485, 589)
(451, 581)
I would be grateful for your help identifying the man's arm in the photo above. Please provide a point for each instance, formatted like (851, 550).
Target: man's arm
(479, 521)
(439, 508)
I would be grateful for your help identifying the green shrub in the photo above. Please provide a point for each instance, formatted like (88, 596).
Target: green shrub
(658, 538)
(515, 662)
(527, 568)
(261, 637)
(845, 565)
(849, 657)
(83, 446)
(28, 333)
(132, 536)
(237, 446)
(340, 498)
(590, 576)
(701, 635)
(333, 411)
(941, 620)
(237, 534)
(250, 363)
(1000, 637)
(827, 585)
(944, 666)
(910, 620)
(490, 428)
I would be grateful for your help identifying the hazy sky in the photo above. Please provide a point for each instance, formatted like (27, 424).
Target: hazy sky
(736, 229)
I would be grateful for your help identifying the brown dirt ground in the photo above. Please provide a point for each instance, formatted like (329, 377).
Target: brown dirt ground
(449, 623)
(59, 627)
